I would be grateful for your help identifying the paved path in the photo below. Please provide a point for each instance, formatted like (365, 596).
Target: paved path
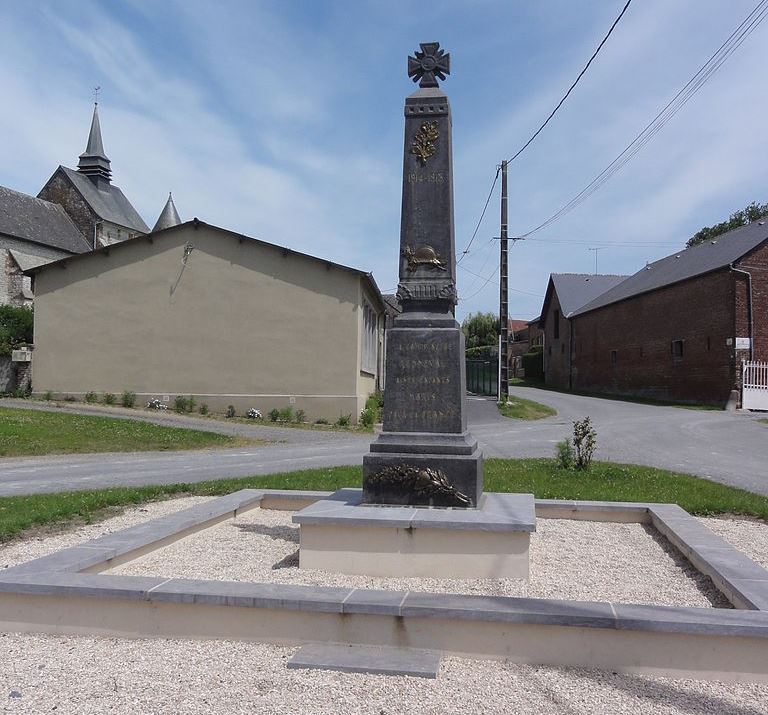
(731, 448)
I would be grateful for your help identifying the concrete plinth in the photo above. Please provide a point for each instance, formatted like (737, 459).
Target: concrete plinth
(342, 535)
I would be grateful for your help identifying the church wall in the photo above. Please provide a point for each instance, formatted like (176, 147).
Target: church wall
(235, 323)
(10, 278)
(59, 190)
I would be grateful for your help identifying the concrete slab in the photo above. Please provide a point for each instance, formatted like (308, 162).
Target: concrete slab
(367, 659)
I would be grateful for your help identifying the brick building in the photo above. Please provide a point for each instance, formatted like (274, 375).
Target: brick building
(566, 293)
(679, 328)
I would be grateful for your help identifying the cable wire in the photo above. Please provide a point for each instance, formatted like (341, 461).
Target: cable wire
(571, 88)
(482, 216)
(705, 72)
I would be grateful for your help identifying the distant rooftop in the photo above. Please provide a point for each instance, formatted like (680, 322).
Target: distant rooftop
(686, 263)
(29, 218)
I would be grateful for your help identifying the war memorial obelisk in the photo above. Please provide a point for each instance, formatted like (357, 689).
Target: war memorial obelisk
(425, 456)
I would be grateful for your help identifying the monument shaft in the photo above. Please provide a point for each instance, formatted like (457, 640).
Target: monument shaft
(425, 456)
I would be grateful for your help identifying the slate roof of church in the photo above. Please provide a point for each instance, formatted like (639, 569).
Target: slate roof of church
(169, 216)
(31, 219)
(576, 289)
(107, 201)
(682, 265)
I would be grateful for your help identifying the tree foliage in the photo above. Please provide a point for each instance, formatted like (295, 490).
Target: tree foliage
(15, 327)
(753, 212)
(481, 329)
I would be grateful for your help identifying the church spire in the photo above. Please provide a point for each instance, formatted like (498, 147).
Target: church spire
(93, 161)
(168, 216)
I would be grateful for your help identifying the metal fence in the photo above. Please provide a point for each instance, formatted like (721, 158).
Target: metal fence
(483, 377)
(754, 385)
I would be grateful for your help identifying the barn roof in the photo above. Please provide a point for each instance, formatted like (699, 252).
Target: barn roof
(684, 264)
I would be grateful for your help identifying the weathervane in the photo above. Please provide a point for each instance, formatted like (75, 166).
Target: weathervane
(429, 65)
(96, 91)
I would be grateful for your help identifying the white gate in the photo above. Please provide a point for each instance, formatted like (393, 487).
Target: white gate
(754, 382)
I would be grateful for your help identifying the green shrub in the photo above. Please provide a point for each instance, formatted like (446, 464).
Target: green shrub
(584, 442)
(231, 411)
(300, 416)
(109, 398)
(203, 409)
(344, 420)
(15, 327)
(564, 454)
(91, 397)
(181, 404)
(274, 414)
(22, 393)
(191, 403)
(533, 363)
(128, 399)
(367, 417)
(286, 414)
(48, 395)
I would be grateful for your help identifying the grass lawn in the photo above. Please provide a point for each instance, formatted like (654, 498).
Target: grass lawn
(604, 481)
(33, 432)
(522, 409)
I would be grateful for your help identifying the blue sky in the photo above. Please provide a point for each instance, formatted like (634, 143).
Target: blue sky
(283, 121)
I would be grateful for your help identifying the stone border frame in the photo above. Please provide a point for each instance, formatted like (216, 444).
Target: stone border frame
(36, 596)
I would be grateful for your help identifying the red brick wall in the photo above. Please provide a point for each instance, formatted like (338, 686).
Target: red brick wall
(701, 312)
(556, 349)
(756, 264)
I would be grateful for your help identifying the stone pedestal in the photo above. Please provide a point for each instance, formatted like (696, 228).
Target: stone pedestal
(425, 437)
(342, 535)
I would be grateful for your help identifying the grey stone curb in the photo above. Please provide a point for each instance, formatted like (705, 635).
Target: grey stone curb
(740, 579)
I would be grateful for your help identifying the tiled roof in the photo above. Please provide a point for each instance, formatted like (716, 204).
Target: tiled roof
(107, 201)
(686, 263)
(577, 289)
(28, 218)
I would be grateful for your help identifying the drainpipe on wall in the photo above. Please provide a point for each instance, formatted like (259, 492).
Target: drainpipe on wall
(751, 324)
(571, 327)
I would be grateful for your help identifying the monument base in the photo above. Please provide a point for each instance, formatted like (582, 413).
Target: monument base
(410, 478)
(342, 535)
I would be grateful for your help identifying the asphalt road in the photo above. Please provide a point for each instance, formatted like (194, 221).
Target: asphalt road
(726, 447)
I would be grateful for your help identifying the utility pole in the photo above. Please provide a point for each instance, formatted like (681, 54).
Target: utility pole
(503, 291)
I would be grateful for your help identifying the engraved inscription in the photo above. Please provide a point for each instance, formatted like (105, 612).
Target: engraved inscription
(418, 177)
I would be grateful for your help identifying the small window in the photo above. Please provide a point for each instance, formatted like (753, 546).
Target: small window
(370, 339)
(677, 349)
(557, 324)
(614, 357)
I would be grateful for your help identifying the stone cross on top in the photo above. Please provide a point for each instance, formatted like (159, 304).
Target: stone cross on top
(429, 65)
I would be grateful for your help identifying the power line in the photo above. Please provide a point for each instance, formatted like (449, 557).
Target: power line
(570, 89)
(705, 72)
(482, 216)
(612, 244)
(516, 290)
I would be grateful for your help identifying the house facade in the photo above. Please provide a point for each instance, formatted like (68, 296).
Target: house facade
(198, 310)
(679, 328)
(566, 293)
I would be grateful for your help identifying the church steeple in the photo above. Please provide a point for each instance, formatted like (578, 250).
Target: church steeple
(168, 216)
(93, 161)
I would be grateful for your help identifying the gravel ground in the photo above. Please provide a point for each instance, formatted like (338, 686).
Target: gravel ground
(576, 560)
(84, 675)
(747, 535)
(98, 675)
